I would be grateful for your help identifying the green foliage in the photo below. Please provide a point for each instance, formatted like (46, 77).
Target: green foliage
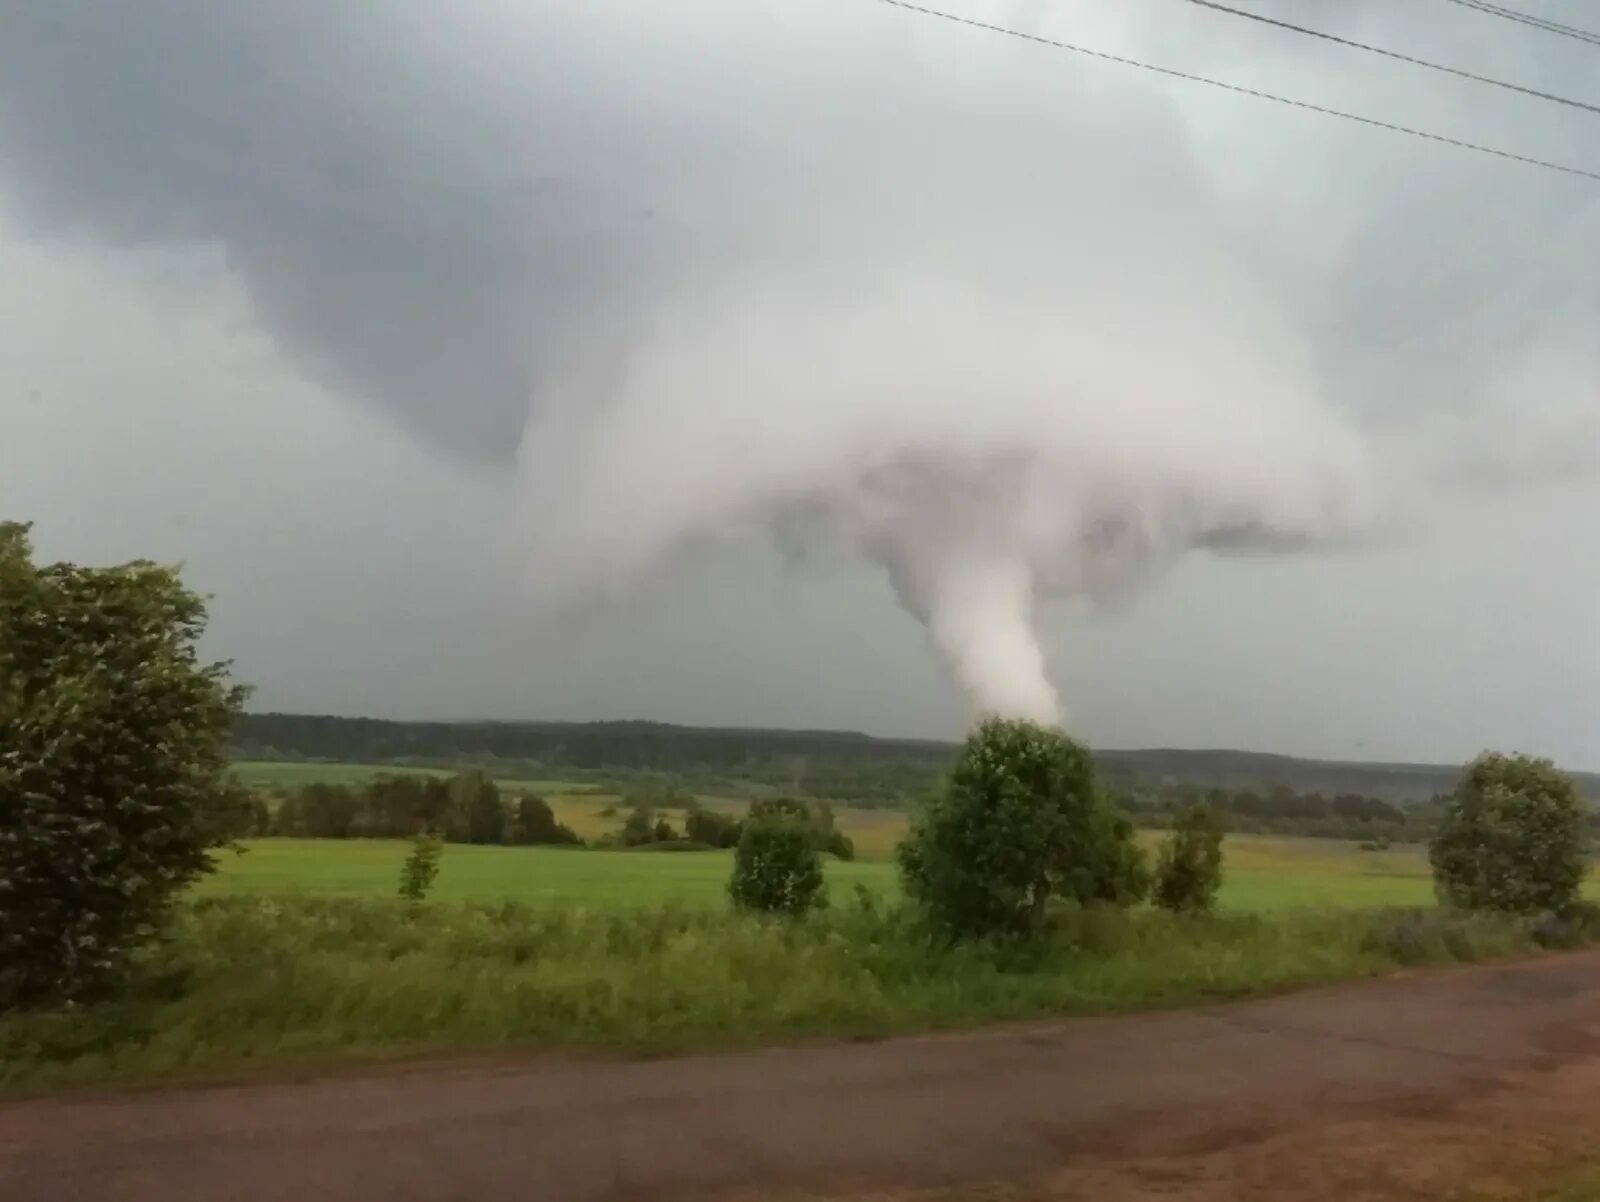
(1019, 822)
(477, 814)
(112, 783)
(375, 976)
(1511, 838)
(712, 828)
(663, 832)
(421, 867)
(638, 827)
(776, 867)
(1189, 867)
(536, 824)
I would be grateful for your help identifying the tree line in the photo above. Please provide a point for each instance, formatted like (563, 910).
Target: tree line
(470, 807)
(841, 765)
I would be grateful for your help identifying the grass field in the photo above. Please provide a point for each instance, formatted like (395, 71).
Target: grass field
(1262, 874)
(284, 980)
(297, 952)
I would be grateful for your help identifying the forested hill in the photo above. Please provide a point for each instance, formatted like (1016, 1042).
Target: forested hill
(839, 763)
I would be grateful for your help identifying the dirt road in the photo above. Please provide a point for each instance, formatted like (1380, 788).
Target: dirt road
(1398, 1089)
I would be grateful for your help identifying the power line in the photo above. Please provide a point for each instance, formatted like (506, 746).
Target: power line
(1244, 91)
(1395, 54)
(1522, 18)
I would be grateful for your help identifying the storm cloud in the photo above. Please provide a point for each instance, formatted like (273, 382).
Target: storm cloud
(1014, 325)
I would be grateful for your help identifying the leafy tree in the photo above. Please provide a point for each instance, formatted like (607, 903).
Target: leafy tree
(1511, 837)
(321, 811)
(421, 867)
(639, 826)
(1018, 823)
(111, 772)
(398, 806)
(239, 813)
(711, 827)
(776, 867)
(536, 823)
(1189, 868)
(475, 814)
(663, 832)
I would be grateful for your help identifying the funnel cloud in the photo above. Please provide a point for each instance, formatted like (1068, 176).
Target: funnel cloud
(1015, 329)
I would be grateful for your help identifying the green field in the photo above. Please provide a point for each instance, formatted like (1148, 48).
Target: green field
(1262, 874)
(297, 952)
(371, 868)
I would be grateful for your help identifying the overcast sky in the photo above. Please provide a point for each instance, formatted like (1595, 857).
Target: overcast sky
(382, 317)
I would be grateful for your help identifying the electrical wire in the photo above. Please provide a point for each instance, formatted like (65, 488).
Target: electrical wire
(1307, 105)
(1395, 54)
(1522, 18)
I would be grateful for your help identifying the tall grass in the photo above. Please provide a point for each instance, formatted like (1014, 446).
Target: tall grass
(243, 981)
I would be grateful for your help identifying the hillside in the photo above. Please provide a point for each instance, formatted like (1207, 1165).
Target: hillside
(838, 763)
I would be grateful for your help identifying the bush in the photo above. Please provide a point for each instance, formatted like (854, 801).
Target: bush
(1018, 823)
(1189, 868)
(711, 828)
(536, 823)
(417, 874)
(776, 867)
(639, 827)
(112, 782)
(1511, 838)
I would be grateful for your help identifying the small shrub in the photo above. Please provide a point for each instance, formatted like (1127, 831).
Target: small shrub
(1511, 838)
(421, 867)
(1189, 868)
(1019, 822)
(776, 867)
(838, 845)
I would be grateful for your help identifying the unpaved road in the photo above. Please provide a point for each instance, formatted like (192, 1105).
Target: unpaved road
(1408, 1088)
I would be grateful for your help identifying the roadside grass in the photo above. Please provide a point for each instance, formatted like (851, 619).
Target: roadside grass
(258, 981)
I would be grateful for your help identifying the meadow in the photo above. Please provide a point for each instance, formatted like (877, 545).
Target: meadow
(297, 952)
(1263, 873)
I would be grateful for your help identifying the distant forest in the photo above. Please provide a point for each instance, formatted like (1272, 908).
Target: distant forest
(839, 765)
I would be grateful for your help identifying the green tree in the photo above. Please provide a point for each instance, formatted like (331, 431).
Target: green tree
(1189, 867)
(111, 771)
(1511, 837)
(639, 827)
(421, 867)
(776, 867)
(536, 823)
(484, 813)
(1019, 822)
(711, 827)
(473, 812)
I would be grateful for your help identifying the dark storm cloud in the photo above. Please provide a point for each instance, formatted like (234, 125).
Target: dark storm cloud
(725, 263)
(439, 211)
(385, 207)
